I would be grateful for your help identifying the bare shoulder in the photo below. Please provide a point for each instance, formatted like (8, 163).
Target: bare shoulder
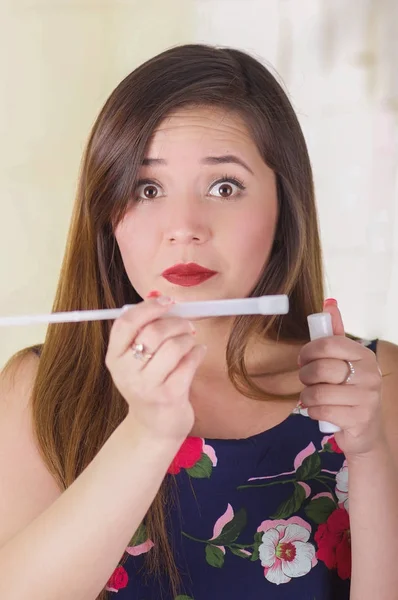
(27, 486)
(387, 357)
(18, 378)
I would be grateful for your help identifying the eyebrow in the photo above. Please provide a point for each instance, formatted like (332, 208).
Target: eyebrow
(208, 160)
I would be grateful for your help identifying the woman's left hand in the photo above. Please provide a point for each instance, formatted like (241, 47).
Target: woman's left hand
(354, 406)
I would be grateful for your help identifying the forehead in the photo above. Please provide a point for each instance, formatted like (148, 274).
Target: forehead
(202, 129)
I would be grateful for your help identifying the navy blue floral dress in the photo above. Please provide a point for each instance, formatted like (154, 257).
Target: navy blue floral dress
(262, 517)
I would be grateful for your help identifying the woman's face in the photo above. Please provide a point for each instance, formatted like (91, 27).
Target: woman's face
(206, 197)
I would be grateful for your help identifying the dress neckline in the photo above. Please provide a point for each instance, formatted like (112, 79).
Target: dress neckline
(252, 439)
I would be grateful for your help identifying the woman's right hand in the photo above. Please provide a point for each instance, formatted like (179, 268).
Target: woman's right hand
(157, 390)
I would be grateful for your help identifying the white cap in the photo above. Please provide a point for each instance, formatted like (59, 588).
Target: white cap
(320, 325)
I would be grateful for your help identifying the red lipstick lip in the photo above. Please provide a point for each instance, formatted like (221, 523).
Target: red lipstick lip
(188, 269)
(188, 274)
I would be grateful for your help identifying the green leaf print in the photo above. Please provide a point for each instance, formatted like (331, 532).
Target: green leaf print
(327, 448)
(232, 530)
(256, 554)
(320, 509)
(310, 468)
(202, 469)
(291, 505)
(258, 537)
(183, 598)
(214, 556)
(258, 540)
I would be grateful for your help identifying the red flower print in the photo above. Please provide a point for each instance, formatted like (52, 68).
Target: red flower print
(118, 580)
(330, 445)
(334, 543)
(334, 446)
(187, 456)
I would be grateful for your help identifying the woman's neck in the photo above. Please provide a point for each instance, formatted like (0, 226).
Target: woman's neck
(221, 410)
(265, 358)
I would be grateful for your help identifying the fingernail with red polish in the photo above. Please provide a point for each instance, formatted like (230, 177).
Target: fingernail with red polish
(154, 294)
(330, 302)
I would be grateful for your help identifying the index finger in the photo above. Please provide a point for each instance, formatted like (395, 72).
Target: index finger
(330, 306)
(336, 346)
(126, 328)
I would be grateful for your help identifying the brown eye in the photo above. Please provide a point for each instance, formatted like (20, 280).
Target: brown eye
(147, 190)
(225, 190)
(150, 192)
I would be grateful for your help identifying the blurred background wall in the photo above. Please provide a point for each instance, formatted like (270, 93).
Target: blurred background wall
(60, 60)
(338, 61)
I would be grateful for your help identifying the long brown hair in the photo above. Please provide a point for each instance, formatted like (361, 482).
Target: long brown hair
(75, 404)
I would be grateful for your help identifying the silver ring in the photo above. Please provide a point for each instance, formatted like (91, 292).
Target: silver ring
(351, 372)
(141, 353)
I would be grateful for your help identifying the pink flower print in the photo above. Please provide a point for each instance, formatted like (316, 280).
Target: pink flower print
(298, 461)
(140, 549)
(221, 522)
(210, 453)
(285, 552)
(308, 450)
(323, 495)
(140, 543)
(306, 488)
(342, 486)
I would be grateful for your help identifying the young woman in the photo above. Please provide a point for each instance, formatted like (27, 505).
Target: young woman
(154, 457)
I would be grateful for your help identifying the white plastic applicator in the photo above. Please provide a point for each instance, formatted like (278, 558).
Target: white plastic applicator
(320, 326)
(264, 305)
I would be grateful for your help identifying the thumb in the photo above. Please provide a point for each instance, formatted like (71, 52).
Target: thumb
(330, 306)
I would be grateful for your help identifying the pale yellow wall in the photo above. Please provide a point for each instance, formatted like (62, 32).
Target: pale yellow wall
(59, 61)
(338, 60)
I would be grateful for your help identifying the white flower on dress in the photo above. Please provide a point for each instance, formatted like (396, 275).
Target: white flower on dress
(285, 552)
(342, 486)
(299, 410)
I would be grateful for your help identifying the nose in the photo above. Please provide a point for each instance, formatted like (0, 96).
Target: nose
(187, 226)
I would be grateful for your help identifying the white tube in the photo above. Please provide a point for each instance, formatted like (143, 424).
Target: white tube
(320, 325)
(264, 305)
(62, 317)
